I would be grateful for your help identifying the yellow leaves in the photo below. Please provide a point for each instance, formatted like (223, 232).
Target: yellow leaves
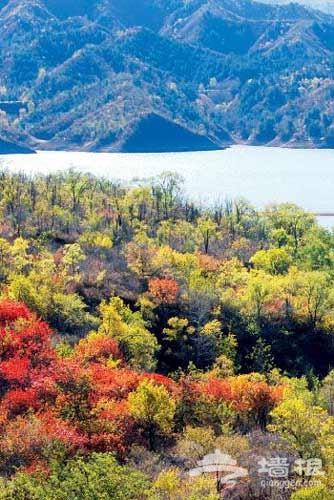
(296, 388)
(5, 251)
(212, 329)
(233, 274)
(170, 485)
(208, 229)
(301, 424)
(223, 367)
(112, 363)
(326, 440)
(99, 348)
(167, 484)
(140, 254)
(175, 264)
(180, 234)
(179, 329)
(326, 445)
(307, 296)
(112, 321)
(137, 202)
(96, 239)
(274, 261)
(196, 271)
(313, 493)
(257, 293)
(100, 278)
(23, 289)
(138, 344)
(235, 445)
(72, 257)
(19, 252)
(327, 393)
(152, 404)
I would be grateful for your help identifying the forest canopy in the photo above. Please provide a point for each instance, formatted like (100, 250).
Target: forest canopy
(140, 331)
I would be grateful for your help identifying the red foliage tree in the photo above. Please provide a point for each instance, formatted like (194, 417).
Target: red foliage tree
(29, 439)
(218, 389)
(158, 379)
(16, 371)
(163, 291)
(110, 383)
(11, 311)
(99, 348)
(81, 402)
(18, 401)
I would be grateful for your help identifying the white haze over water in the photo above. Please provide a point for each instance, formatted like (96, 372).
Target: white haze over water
(262, 175)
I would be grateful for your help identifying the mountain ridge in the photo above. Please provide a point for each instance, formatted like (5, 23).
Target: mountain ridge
(230, 71)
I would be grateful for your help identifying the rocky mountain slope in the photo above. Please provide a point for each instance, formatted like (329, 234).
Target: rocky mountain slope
(151, 75)
(324, 5)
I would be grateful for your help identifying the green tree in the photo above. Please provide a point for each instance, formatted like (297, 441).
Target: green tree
(129, 329)
(274, 261)
(100, 477)
(208, 229)
(293, 220)
(301, 424)
(154, 409)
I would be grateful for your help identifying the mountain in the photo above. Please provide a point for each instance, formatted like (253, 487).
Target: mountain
(324, 5)
(123, 75)
(158, 134)
(7, 148)
(12, 140)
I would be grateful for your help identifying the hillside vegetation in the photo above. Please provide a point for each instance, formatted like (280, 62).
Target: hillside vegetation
(88, 75)
(139, 332)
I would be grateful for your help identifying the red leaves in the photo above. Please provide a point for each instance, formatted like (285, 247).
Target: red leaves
(11, 311)
(164, 291)
(218, 389)
(167, 382)
(82, 401)
(68, 373)
(107, 442)
(25, 347)
(28, 439)
(15, 370)
(19, 401)
(207, 263)
(66, 433)
(98, 348)
(24, 336)
(33, 341)
(113, 383)
(248, 394)
(243, 393)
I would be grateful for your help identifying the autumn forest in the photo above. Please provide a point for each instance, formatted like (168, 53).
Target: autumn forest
(140, 331)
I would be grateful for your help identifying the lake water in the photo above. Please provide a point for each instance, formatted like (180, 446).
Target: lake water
(261, 175)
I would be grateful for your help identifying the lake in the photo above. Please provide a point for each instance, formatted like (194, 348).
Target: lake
(262, 175)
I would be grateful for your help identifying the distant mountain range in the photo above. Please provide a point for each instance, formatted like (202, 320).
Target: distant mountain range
(160, 75)
(324, 5)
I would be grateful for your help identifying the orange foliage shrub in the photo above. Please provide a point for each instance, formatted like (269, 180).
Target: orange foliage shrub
(98, 349)
(163, 291)
(81, 401)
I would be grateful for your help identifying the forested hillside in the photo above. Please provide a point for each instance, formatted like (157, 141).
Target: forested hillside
(139, 332)
(324, 5)
(91, 75)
